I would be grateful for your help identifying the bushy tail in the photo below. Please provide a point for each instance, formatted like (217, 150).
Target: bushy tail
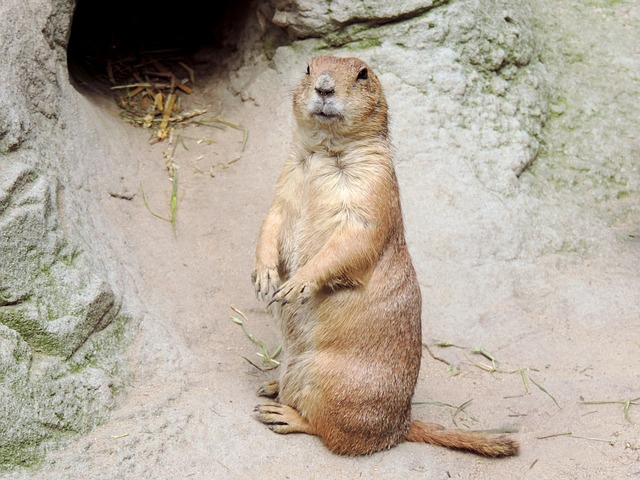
(487, 444)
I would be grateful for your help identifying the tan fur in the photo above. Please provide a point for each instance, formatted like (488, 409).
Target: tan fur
(332, 260)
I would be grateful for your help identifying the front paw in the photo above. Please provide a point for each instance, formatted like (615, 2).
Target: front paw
(293, 290)
(265, 280)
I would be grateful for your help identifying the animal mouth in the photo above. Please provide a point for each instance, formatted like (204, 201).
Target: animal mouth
(324, 110)
(325, 116)
(326, 113)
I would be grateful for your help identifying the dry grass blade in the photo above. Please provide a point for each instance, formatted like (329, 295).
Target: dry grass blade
(484, 353)
(435, 357)
(460, 409)
(166, 114)
(545, 391)
(174, 201)
(479, 351)
(435, 403)
(189, 70)
(487, 368)
(498, 431)
(173, 204)
(553, 435)
(139, 85)
(148, 205)
(457, 410)
(626, 405)
(610, 442)
(218, 123)
(443, 344)
(259, 367)
(184, 88)
(525, 380)
(182, 142)
(569, 434)
(267, 357)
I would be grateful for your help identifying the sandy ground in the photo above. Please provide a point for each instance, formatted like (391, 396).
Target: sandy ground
(568, 319)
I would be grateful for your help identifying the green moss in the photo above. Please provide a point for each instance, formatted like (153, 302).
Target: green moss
(69, 256)
(26, 454)
(347, 35)
(30, 329)
(580, 247)
(604, 3)
(76, 411)
(102, 348)
(363, 44)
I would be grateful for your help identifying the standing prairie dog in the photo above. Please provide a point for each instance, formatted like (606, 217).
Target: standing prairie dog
(333, 262)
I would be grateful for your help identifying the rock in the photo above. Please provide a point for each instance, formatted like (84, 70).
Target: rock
(51, 303)
(57, 363)
(48, 294)
(43, 398)
(465, 69)
(305, 18)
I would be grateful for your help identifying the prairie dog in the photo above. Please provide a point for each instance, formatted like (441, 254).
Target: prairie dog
(332, 261)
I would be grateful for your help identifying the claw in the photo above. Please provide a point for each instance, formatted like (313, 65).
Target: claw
(265, 280)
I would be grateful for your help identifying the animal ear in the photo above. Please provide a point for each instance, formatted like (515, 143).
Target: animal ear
(363, 74)
(308, 70)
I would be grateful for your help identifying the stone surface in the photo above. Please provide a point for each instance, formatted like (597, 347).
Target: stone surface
(48, 294)
(469, 71)
(305, 18)
(44, 399)
(55, 293)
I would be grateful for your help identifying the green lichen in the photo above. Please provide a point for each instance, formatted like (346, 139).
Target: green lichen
(57, 401)
(102, 346)
(347, 35)
(69, 256)
(363, 44)
(605, 3)
(22, 321)
(25, 454)
(578, 247)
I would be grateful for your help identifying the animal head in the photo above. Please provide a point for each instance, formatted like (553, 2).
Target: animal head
(341, 97)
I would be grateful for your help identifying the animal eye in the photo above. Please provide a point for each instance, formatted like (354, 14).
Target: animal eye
(308, 70)
(363, 74)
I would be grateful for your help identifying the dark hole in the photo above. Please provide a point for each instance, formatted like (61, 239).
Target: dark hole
(111, 40)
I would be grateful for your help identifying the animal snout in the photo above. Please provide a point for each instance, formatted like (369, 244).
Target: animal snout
(325, 85)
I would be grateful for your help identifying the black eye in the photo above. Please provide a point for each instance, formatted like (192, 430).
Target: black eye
(308, 70)
(363, 74)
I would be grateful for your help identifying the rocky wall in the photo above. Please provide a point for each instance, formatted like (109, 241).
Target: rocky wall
(62, 325)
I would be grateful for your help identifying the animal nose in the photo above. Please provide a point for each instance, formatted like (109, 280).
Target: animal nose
(325, 85)
(325, 91)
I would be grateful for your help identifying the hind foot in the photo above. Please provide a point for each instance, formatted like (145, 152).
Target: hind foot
(269, 389)
(283, 419)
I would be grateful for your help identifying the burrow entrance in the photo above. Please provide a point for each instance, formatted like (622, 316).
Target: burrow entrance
(109, 34)
(150, 56)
